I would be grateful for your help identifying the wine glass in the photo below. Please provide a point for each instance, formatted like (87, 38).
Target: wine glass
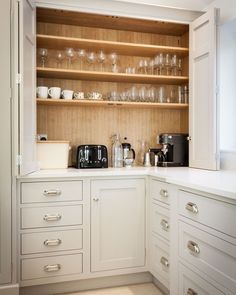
(43, 53)
(151, 66)
(60, 56)
(81, 55)
(91, 58)
(174, 64)
(70, 55)
(179, 66)
(143, 65)
(161, 63)
(156, 64)
(114, 58)
(168, 64)
(101, 58)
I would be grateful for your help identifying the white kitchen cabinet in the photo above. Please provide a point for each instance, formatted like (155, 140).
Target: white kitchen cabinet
(117, 224)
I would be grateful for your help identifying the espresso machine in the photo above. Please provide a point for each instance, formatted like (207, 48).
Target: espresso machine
(174, 150)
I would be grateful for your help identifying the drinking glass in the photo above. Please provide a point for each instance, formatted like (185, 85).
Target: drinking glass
(151, 67)
(168, 64)
(156, 64)
(133, 93)
(101, 58)
(161, 97)
(151, 94)
(161, 63)
(143, 66)
(91, 58)
(60, 56)
(114, 58)
(179, 66)
(142, 94)
(174, 65)
(70, 54)
(43, 53)
(81, 55)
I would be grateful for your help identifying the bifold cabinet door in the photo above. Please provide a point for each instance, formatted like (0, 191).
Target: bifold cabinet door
(27, 93)
(117, 224)
(203, 145)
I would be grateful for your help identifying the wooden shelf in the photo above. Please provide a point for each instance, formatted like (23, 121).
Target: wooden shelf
(133, 49)
(63, 102)
(109, 76)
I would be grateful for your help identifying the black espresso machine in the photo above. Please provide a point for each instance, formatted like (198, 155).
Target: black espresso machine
(174, 150)
(92, 156)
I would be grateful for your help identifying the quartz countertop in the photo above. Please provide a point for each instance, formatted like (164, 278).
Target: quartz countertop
(222, 183)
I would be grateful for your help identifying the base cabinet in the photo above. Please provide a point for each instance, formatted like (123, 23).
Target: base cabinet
(117, 224)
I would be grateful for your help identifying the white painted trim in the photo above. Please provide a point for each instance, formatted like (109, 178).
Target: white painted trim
(9, 290)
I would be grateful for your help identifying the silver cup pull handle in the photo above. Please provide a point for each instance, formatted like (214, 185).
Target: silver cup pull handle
(52, 267)
(54, 242)
(193, 247)
(52, 192)
(191, 292)
(191, 207)
(164, 193)
(164, 224)
(52, 217)
(164, 261)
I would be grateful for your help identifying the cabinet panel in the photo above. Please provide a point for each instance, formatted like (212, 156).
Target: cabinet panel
(160, 191)
(117, 224)
(160, 224)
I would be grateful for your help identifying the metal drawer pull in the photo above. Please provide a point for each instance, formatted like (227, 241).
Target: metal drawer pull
(95, 199)
(52, 217)
(164, 261)
(52, 192)
(52, 267)
(191, 292)
(191, 207)
(193, 247)
(164, 193)
(164, 224)
(54, 242)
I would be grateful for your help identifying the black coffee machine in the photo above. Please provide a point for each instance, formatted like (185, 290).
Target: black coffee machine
(174, 150)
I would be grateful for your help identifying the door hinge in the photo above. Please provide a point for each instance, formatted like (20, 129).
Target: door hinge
(19, 160)
(18, 78)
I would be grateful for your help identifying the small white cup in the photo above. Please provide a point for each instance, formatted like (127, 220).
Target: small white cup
(42, 92)
(67, 94)
(79, 95)
(54, 92)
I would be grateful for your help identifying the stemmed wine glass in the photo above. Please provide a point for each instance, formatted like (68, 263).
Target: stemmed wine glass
(114, 58)
(91, 58)
(156, 64)
(161, 62)
(60, 56)
(101, 58)
(143, 66)
(179, 66)
(168, 64)
(174, 64)
(81, 55)
(43, 53)
(70, 54)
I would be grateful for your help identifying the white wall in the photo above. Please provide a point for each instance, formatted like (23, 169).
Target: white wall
(227, 9)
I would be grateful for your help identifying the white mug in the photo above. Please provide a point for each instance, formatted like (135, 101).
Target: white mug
(79, 95)
(94, 95)
(67, 94)
(42, 92)
(54, 92)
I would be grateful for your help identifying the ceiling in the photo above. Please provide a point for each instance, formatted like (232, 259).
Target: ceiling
(181, 4)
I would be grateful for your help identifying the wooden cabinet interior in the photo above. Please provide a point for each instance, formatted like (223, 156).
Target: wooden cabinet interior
(132, 40)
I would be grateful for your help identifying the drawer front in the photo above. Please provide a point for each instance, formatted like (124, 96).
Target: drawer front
(37, 268)
(213, 256)
(43, 192)
(208, 212)
(191, 284)
(52, 241)
(160, 191)
(159, 261)
(51, 216)
(160, 223)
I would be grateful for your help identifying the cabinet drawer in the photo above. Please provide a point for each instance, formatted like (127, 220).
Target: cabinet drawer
(37, 268)
(51, 216)
(41, 192)
(159, 260)
(160, 191)
(212, 255)
(160, 224)
(208, 212)
(51, 241)
(191, 284)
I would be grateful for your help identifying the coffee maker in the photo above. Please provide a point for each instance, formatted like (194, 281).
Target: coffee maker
(174, 150)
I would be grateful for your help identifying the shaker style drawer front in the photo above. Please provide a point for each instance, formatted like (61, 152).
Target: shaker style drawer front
(160, 191)
(51, 192)
(216, 214)
(52, 241)
(191, 284)
(213, 256)
(160, 264)
(37, 268)
(160, 224)
(51, 216)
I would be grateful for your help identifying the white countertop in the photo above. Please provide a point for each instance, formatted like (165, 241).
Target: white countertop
(221, 183)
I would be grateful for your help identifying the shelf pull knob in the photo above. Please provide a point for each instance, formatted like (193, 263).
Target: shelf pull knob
(52, 217)
(52, 192)
(164, 193)
(164, 224)
(52, 267)
(193, 247)
(164, 261)
(54, 242)
(95, 199)
(191, 292)
(191, 207)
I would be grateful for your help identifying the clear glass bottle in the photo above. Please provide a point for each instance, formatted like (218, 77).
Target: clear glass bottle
(117, 152)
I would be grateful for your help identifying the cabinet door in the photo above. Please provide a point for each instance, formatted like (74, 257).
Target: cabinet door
(27, 93)
(117, 224)
(203, 146)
